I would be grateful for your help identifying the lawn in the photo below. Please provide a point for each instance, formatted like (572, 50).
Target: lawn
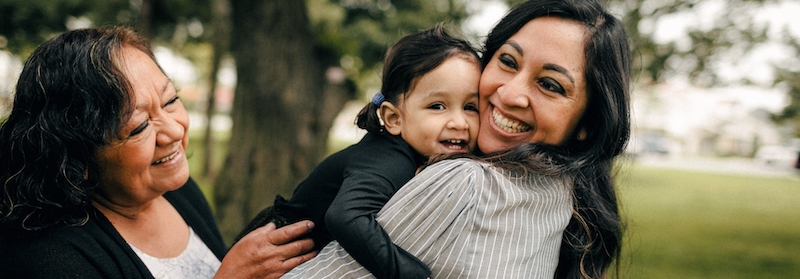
(684, 224)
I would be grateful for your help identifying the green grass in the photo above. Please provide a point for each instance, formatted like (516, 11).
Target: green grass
(684, 224)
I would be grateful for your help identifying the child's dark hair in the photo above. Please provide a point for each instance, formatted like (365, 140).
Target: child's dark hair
(410, 58)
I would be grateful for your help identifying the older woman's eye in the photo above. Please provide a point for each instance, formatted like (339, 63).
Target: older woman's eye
(139, 129)
(551, 85)
(508, 60)
(172, 101)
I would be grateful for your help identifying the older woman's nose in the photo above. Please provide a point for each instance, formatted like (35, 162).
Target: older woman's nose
(170, 130)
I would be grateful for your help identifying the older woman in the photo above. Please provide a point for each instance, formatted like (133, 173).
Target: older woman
(540, 203)
(95, 177)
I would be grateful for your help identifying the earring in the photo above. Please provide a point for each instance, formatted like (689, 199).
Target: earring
(582, 134)
(380, 119)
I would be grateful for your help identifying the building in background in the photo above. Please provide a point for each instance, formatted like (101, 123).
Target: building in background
(676, 119)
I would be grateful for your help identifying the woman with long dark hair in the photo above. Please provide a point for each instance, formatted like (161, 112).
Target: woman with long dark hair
(540, 201)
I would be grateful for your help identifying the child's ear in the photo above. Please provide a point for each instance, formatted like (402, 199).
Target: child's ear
(390, 114)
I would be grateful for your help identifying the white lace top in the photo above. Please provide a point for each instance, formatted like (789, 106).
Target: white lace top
(196, 261)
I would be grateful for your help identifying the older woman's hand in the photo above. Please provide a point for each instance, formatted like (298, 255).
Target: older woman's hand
(268, 253)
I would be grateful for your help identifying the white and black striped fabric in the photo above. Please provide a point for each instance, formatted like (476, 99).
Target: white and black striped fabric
(467, 219)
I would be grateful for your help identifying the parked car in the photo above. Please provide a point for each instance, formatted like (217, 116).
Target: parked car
(797, 161)
(777, 155)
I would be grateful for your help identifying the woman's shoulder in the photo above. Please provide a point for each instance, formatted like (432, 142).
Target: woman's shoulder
(461, 172)
(50, 253)
(448, 174)
(486, 171)
(463, 166)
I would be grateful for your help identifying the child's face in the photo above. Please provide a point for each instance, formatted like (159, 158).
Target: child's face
(439, 115)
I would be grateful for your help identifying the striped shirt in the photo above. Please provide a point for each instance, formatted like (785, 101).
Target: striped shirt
(467, 219)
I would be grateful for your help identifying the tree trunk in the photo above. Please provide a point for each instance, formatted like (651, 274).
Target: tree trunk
(282, 110)
(220, 41)
(144, 24)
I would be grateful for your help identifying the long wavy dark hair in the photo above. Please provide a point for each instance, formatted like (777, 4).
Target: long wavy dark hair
(592, 239)
(70, 100)
(406, 61)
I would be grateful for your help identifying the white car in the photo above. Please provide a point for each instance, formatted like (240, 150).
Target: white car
(777, 155)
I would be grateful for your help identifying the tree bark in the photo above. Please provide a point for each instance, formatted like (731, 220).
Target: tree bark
(144, 24)
(220, 41)
(282, 110)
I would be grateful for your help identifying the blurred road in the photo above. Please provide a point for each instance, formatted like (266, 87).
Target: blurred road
(744, 166)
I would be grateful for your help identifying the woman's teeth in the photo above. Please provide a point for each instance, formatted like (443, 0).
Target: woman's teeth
(509, 125)
(166, 158)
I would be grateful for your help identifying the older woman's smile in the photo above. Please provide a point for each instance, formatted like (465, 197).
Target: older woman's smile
(169, 157)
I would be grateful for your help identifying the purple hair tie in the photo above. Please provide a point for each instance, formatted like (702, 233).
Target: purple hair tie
(377, 99)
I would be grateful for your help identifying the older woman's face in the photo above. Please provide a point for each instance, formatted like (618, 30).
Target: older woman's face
(534, 89)
(150, 158)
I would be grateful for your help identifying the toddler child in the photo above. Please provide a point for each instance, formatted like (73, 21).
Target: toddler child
(428, 105)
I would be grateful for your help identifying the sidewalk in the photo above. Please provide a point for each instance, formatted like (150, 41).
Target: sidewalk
(744, 166)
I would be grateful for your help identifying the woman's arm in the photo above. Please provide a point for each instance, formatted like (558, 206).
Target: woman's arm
(438, 194)
(378, 167)
(267, 252)
(351, 220)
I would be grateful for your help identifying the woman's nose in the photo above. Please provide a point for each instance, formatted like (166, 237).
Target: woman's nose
(170, 130)
(514, 93)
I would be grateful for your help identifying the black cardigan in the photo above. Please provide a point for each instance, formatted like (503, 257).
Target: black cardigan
(96, 249)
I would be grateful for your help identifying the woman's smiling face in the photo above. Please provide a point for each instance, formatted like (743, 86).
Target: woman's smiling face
(149, 159)
(534, 89)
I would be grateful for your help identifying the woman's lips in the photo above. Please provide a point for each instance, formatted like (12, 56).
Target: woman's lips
(509, 125)
(165, 159)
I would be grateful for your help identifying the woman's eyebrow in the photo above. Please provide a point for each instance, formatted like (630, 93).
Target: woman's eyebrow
(515, 45)
(548, 66)
(557, 68)
(166, 85)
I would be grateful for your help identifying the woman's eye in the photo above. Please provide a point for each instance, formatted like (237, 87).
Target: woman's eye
(139, 129)
(508, 60)
(436, 106)
(551, 85)
(471, 107)
(172, 101)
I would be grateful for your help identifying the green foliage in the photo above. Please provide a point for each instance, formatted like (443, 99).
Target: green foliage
(354, 34)
(732, 31)
(788, 76)
(685, 224)
(26, 24)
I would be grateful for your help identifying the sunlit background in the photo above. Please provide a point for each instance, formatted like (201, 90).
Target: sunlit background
(709, 183)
